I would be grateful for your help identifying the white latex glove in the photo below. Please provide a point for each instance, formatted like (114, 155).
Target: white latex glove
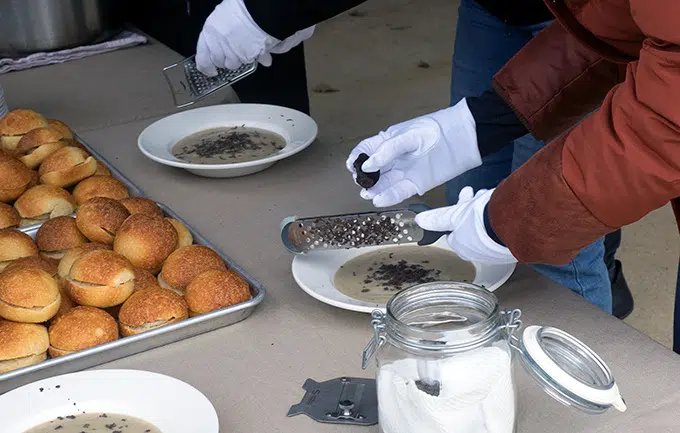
(230, 38)
(417, 155)
(465, 221)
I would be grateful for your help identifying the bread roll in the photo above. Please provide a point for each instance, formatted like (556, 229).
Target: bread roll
(136, 205)
(15, 245)
(99, 219)
(15, 178)
(21, 345)
(15, 124)
(43, 202)
(67, 166)
(38, 144)
(215, 289)
(74, 254)
(66, 304)
(146, 241)
(184, 235)
(102, 170)
(9, 217)
(187, 263)
(48, 266)
(28, 295)
(58, 235)
(79, 329)
(99, 186)
(61, 127)
(35, 179)
(101, 278)
(150, 309)
(145, 280)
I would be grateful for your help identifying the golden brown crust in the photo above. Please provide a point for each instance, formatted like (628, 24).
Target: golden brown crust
(15, 245)
(150, 309)
(136, 205)
(25, 361)
(34, 262)
(14, 178)
(18, 340)
(45, 201)
(74, 253)
(9, 217)
(21, 121)
(35, 179)
(100, 218)
(213, 290)
(36, 138)
(185, 238)
(67, 166)
(101, 278)
(66, 304)
(99, 186)
(28, 295)
(61, 127)
(146, 241)
(102, 170)
(187, 263)
(80, 329)
(59, 234)
(145, 280)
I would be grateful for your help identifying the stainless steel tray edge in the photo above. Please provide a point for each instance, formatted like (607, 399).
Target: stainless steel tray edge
(148, 340)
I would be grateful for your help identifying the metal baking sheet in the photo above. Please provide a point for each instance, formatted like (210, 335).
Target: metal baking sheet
(148, 340)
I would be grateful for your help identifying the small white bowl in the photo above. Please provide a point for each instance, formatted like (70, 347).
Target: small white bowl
(157, 140)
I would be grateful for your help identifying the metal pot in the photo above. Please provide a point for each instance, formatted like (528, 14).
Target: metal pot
(29, 26)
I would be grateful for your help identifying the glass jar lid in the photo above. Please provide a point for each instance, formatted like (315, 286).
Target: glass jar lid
(568, 370)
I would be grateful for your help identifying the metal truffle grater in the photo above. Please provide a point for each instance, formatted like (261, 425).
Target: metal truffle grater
(188, 85)
(393, 227)
(344, 400)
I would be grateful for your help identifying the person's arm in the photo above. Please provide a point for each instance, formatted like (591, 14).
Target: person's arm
(281, 19)
(612, 169)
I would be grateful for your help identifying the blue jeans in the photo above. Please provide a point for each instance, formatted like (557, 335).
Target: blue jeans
(483, 45)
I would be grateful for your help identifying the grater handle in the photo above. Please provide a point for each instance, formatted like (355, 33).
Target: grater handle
(429, 237)
(284, 235)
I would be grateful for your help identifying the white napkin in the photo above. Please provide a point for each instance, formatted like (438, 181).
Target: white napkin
(123, 40)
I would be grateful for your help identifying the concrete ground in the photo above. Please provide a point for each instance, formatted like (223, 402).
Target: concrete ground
(390, 60)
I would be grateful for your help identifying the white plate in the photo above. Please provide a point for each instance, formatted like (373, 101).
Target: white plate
(314, 274)
(298, 129)
(170, 404)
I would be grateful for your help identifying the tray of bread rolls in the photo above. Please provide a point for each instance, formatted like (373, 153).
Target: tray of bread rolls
(91, 269)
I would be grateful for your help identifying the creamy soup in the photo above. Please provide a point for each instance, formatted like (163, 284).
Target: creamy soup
(378, 275)
(228, 145)
(96, 422)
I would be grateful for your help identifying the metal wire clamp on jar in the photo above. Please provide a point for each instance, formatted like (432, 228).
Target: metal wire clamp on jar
(445, 353)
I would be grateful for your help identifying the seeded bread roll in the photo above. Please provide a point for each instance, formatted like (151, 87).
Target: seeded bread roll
(101, 278)
(38, 144)
(136, 205)
(79, 329)
(16, 124)
(21, 345)
(184, 235)
(185, 264)
(28, 295)
(150, 309)
(216, 289)
(43, 202)
(56, 236)
(146, 241)
(9, 217)
(67, 166)
(99, 186)
(15, 245)
(99, 219)
(74, 254)
(48, 266)
(15, 178)
(61, 127)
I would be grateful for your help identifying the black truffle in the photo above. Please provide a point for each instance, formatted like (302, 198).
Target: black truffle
(365, 180)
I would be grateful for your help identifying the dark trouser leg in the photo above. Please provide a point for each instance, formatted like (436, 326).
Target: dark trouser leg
(612, 242)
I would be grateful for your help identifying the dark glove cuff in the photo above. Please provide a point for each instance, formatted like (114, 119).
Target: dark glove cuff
(489, 230)
(495, 121)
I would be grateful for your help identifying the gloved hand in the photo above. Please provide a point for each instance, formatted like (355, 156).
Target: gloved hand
(417, 155)
(230, 38)
(465, 221)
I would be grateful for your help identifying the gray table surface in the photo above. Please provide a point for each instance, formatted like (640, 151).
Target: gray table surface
(253, 371)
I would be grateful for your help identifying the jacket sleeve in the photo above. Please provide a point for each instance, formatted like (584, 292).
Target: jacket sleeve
(280, 18)
(610, 170)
